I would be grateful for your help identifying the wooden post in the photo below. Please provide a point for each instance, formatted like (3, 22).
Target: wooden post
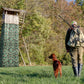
(27, 51)
(22, 57)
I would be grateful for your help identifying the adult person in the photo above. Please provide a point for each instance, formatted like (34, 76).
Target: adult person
(74, 43)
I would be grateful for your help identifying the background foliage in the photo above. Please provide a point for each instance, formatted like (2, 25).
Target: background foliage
(44, 31)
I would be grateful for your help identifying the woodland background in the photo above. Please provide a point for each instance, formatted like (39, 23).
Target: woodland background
(43, 30)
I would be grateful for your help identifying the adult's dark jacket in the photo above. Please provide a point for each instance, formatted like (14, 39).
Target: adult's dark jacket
(67, 39)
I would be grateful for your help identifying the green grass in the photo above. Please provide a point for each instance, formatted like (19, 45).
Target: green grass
(38, 75)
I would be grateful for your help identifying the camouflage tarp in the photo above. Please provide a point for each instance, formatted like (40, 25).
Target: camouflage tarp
(9, 44)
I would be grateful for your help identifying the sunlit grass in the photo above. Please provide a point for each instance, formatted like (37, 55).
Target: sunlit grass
(38, 75)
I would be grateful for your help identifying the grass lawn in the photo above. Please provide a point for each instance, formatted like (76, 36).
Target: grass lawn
(38, 75)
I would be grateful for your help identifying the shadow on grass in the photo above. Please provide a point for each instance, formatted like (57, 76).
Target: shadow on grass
(39, 75)
(12, 76)
(82, 80)
(29, 74)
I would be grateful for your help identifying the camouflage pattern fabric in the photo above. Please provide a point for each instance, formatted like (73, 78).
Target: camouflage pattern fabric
(9, 44)
(76, 38)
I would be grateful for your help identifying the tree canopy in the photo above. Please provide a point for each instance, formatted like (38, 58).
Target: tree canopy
(44, 31)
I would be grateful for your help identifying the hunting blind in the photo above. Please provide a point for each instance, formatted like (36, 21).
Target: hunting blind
(9, 41)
